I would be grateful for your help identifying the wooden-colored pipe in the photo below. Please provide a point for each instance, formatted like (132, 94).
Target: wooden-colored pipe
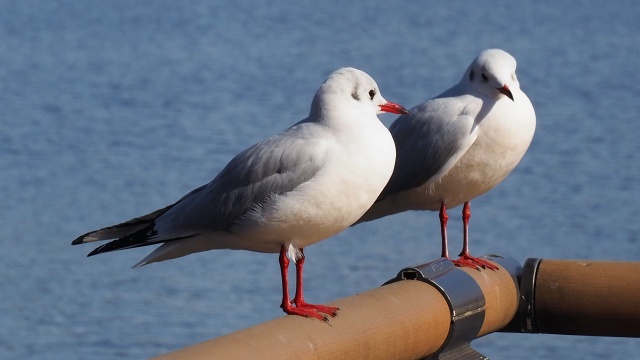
(501, 297)
(407, 319)
(577, 297)
(403, 320)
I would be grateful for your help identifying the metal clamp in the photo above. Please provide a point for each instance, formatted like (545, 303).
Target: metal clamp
(524, 319)
(466, 304)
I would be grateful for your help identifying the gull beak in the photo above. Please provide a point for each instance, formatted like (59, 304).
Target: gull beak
(505, 90)
(393, 108)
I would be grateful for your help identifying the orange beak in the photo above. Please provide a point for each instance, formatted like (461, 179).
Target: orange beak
(506, 91)
(393, 108)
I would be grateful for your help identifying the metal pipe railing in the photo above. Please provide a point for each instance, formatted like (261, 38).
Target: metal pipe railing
(435, 310)
(579, 297)
(400, 320)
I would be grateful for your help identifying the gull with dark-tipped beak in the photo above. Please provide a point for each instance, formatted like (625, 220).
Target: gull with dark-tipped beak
(285, 193)
(459, 145)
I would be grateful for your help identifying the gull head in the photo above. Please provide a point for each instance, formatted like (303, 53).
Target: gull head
(349, 90)
(493, 73)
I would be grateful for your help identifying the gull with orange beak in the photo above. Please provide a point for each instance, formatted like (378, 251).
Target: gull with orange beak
(459, 145)
(282, 194)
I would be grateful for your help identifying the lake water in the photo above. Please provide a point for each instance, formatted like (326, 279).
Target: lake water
(112, 109)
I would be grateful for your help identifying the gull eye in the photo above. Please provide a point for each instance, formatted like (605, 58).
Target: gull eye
(372, 94)
(485, 78)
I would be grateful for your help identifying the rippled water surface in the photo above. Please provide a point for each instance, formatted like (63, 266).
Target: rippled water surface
(112, 109)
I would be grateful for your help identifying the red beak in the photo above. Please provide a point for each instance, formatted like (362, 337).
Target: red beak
(393, 108)
(505, 90)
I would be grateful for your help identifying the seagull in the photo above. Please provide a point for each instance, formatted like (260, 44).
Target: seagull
(280, 195)
(459, 145)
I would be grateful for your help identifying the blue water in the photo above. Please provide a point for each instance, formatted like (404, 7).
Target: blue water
(109, 110)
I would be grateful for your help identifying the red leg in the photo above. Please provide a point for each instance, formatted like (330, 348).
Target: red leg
(466, 259)
(307, 310)
(299, 296)
(298, 299)
(444, 218)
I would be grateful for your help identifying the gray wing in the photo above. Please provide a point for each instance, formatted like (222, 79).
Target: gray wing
(429, 141)
(272, 167)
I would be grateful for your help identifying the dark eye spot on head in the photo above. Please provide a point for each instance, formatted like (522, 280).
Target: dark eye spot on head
(472, 74)
(354, 94)
(485, 78)
(372, 94)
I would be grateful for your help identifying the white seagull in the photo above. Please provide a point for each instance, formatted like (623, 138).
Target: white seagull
(459, 145)
(282, 194)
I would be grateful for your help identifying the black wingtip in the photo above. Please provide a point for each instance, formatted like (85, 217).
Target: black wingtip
(78, 241)
(96, 251)
(81, 239)
(118, 244)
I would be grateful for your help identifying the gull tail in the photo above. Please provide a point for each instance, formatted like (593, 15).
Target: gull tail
(134, 233)
(122, 229)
